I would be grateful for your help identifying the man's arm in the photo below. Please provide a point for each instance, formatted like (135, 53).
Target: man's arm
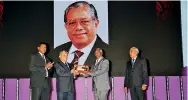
(145, 71)
(51, 69)
(126, 76)
(104, 68)
(34, 67)
(60, 71)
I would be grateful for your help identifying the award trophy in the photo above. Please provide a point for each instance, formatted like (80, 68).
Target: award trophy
(82, 69)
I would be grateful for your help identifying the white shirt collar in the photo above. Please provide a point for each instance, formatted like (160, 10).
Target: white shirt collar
(63, 62)
(134, 58)
(41, 54)
(86, 49)
(99, 58)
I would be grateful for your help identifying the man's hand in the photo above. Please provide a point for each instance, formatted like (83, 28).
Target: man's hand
(49, 65)
(125, 89)
(87, 73)
(75, 66)
(74, 72)
(144, 86)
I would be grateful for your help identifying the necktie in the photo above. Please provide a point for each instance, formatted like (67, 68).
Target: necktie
(66, 64)
(44, 58)
(45, 63)
(77, 55)
(96, 62)
(133, 60)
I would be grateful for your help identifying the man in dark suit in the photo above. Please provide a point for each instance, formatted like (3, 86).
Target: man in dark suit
(81, 22)
(40, 69)
(136, 75)
(65, 78)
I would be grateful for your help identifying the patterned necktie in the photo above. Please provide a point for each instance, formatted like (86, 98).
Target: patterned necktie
(77, 55)
(43, 56)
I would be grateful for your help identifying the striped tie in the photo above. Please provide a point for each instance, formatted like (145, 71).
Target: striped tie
(77, 55)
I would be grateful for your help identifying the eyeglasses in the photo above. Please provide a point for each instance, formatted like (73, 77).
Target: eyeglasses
(83, 22)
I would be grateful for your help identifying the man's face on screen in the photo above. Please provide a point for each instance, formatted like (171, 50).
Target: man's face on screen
(42, 48)
(81, 27)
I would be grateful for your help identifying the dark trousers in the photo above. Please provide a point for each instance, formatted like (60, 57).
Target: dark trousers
(65, 95)
(40, 94)
(137, 93)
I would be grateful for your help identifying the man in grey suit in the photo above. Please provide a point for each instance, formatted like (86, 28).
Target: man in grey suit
(136, 75)
(65, 77)
(100, 76)
(40, 69)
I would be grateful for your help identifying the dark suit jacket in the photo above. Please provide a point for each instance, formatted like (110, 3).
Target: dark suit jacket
(136, 75)
(64, 80)
(38, 72)
(54, 55)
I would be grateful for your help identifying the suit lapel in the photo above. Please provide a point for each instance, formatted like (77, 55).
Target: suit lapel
(67, 46)
(136, 62)
(70, 66)
(64, 66)
(130, 65)
(38, 54)
(91, 56)
(97, 65)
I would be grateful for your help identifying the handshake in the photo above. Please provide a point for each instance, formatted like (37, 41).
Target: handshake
(80, 69)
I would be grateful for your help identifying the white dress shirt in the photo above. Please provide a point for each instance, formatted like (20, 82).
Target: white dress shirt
(97, 60)
(86, 50)
(65, 63)
(134, 60)
(43, 56)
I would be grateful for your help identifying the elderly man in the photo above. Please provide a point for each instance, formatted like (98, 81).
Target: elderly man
(65, 77)
(136, 75)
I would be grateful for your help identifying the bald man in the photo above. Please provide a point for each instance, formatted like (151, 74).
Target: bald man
(136, 75)
(100, 76)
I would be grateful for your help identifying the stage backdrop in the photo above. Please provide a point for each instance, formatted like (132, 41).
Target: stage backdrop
(60, 31)
(153, 27)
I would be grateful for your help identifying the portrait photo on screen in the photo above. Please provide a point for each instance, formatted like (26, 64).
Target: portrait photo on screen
(80, 26)
(60, 32)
